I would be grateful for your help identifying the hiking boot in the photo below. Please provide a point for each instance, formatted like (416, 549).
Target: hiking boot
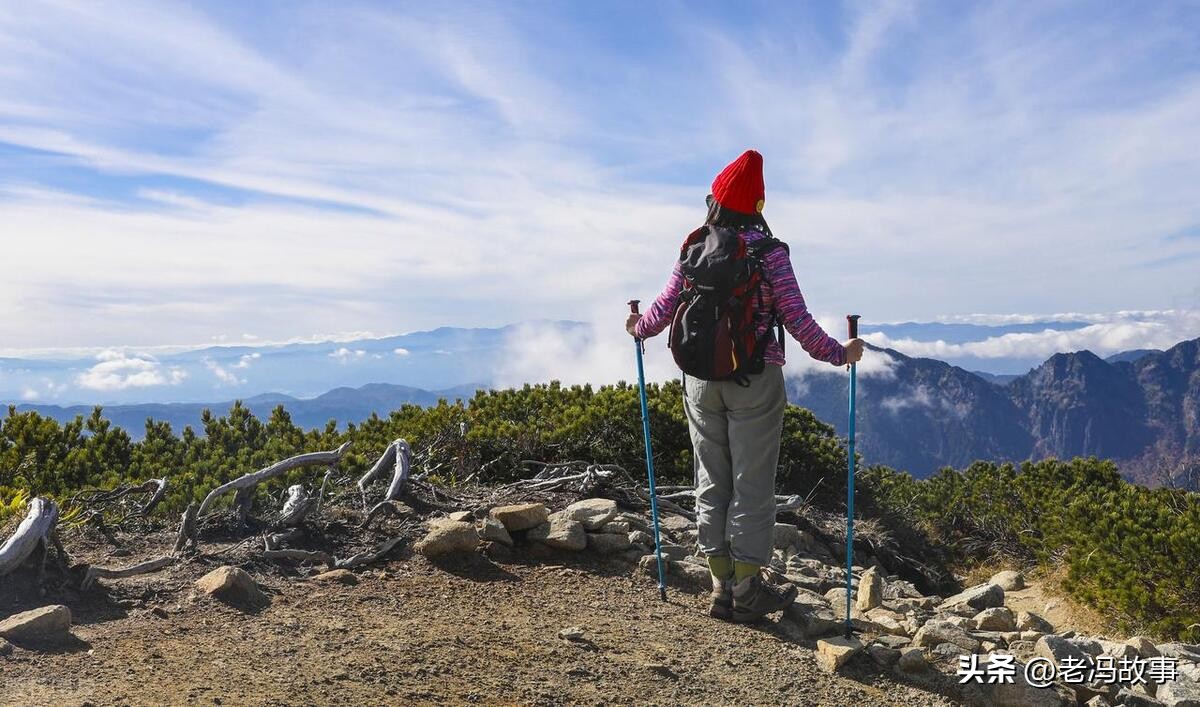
(754, 597)
(721, 600)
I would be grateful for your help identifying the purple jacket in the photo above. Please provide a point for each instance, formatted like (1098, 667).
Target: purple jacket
(781, 295)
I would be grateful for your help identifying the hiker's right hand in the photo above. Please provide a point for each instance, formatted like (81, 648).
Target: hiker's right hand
(631, 322)
(854, 350)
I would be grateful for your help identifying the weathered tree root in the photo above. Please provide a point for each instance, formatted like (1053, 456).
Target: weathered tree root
(296, 507)
(383, 508)
(34, 531)
(366, 558)
(249, 481)
(324, 558)
(146, 567)
(399, 455)
(315, 557)
(160, 492)
(187, 539)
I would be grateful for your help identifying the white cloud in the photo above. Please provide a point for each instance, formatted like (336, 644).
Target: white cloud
(247, 359)
(223, 374)
(345, 355)
(29, 394)
(1112, 333)
(400, 351)
(117, 371)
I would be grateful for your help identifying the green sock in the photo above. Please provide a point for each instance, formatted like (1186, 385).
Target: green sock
(742, 570)
(720, 566)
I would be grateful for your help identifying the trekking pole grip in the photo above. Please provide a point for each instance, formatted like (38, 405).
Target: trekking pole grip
(852, 325)
(633, 306)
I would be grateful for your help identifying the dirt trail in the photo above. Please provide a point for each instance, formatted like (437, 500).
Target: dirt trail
(409, 632)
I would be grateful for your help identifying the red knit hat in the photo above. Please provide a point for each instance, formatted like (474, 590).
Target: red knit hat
(739, 186)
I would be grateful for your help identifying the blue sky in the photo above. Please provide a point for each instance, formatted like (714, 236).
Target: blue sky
(190, 173)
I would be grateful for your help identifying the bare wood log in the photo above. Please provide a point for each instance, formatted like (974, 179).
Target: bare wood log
(274, 541)
(160, 492)
(366, 558)
(253, 479)
(187, 530)
(383, 508)
(321, 493)
(33, 531)
(315, 557)
(146, 567)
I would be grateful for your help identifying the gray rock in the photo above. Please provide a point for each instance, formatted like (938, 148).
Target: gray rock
(571, 633)
(621, 527)
(561, 534)
(813, 620)
(912, 661)
(975, 599)
(997, 618)
(1144, 646)
(884, 655)
(233, 585)
(896, 642)
(1019, 693)
(461, 516)
(1179, 693)
(1029, 621)
(607, 543)
(1131, 698)
(676, 524)
(1024, 650)
(934, 633)
(447, 536)
(946, 652)
(6, 648)
(591, 512)
(1008, 580)
(521, 516)
(1180, 651)
(834, 652)
(1088, 645)
(786, 535)
(42, 625)
(494, 531)
(672, 551)
(641, 537)
(1056, 649)
(870, 590)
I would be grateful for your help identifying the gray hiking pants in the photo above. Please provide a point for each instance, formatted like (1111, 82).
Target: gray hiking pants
(735, 434)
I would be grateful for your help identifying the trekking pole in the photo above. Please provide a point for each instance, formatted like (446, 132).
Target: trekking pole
(852, 325)
(637, 344)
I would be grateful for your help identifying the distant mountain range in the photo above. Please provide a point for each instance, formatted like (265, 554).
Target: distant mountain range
(926, 414)
(921, 415)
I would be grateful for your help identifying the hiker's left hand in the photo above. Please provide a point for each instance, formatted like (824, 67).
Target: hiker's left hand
(631, 322)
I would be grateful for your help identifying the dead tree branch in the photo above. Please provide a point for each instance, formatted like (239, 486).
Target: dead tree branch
(147, 567)
(33, 531)
(249, 481)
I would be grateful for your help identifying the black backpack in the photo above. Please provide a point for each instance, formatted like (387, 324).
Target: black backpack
(714, 331)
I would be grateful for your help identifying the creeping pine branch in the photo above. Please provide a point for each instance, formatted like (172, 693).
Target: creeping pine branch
(249, 481)
(36, 529)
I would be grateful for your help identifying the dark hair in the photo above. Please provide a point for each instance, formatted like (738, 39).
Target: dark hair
(720, 216)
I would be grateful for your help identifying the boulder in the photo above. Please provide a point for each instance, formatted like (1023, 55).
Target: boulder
(494, 531)
(1144, 646)
(997, 618)
(815, 621)
(912, 661)
(676, 524)
(937, 632)
(591, 512)
(461, 515)
(973, 600)
(1179, 693)
(447, 536)
(1056, 649)
(617, 526)
(885, 656)
(896, 642)
(521, 516)
(1024, 650)
(1117, 649)
(786, 535)
(232, 585)
(641, 537)
(607, 543)
(43, 625)
(1018, 692)
(1029, 621)
(885, 621)
(1136, 698)
(1008, 580)
(833, 653)
(338, 576)
(561, 534)
(6, 648)
(1088, 645)
(870, 590)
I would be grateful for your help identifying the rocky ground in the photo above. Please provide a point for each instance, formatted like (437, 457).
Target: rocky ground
(516, 605)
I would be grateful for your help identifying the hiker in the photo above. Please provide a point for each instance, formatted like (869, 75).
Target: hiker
(730, 295)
